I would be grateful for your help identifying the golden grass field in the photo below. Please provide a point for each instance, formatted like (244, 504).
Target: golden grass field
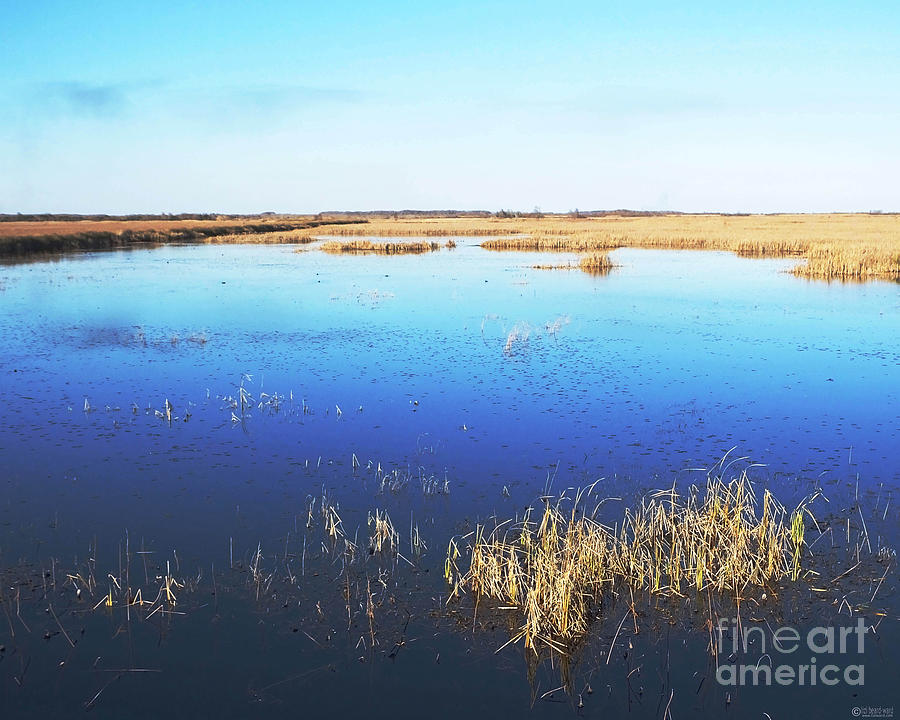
(848, 247)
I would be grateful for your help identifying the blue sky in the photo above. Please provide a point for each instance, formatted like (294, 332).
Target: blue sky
(295, 107)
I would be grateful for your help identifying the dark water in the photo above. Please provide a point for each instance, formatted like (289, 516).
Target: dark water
(406, 364)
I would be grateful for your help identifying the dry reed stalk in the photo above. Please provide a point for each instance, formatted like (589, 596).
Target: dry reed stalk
(383, 537)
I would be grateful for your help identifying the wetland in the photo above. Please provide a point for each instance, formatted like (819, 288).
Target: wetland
(268, 479)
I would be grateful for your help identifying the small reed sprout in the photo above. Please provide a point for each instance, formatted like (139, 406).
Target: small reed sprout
(416, 543)
(554, 326)
(516, 338)
(383, 538)
(433, 485)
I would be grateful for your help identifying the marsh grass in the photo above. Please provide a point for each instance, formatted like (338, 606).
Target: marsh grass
(422, 228)
(380, 248)
(30, 239)
(850, 262)
(285, 237)
(555, 568)
(840, 246)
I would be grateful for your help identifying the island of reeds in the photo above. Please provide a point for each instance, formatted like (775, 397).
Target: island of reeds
(383, 248)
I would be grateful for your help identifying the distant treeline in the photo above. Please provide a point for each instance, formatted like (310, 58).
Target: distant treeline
(106, 240)
(536, 213)
(331, 214)
(68, 217)
(361, 215)
(400, 214)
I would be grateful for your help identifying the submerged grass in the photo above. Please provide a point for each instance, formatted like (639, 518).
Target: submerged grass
(555, 569)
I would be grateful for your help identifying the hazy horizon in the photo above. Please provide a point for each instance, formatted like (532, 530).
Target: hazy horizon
(303, 109)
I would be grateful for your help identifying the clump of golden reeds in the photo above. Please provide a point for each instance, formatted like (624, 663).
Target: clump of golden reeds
(381, 248)
(596, 263)
(849, 263)
(555, 569)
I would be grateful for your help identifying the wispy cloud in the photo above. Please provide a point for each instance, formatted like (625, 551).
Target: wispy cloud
(73, 97)
(91, 99)
(634, 100)
(273, 96)
(216, 106)
(258, 104)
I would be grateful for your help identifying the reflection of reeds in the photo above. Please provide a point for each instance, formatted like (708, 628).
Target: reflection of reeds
(380, 248)
(555, 568)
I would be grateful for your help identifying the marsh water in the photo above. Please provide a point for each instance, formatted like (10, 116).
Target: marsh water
(472, 382)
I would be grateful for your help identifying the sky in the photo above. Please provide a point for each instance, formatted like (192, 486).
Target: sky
(120, 107)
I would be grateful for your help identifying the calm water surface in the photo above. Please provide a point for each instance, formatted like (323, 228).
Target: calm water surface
(466, 370)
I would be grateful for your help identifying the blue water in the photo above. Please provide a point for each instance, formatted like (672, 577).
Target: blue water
(662, 366)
